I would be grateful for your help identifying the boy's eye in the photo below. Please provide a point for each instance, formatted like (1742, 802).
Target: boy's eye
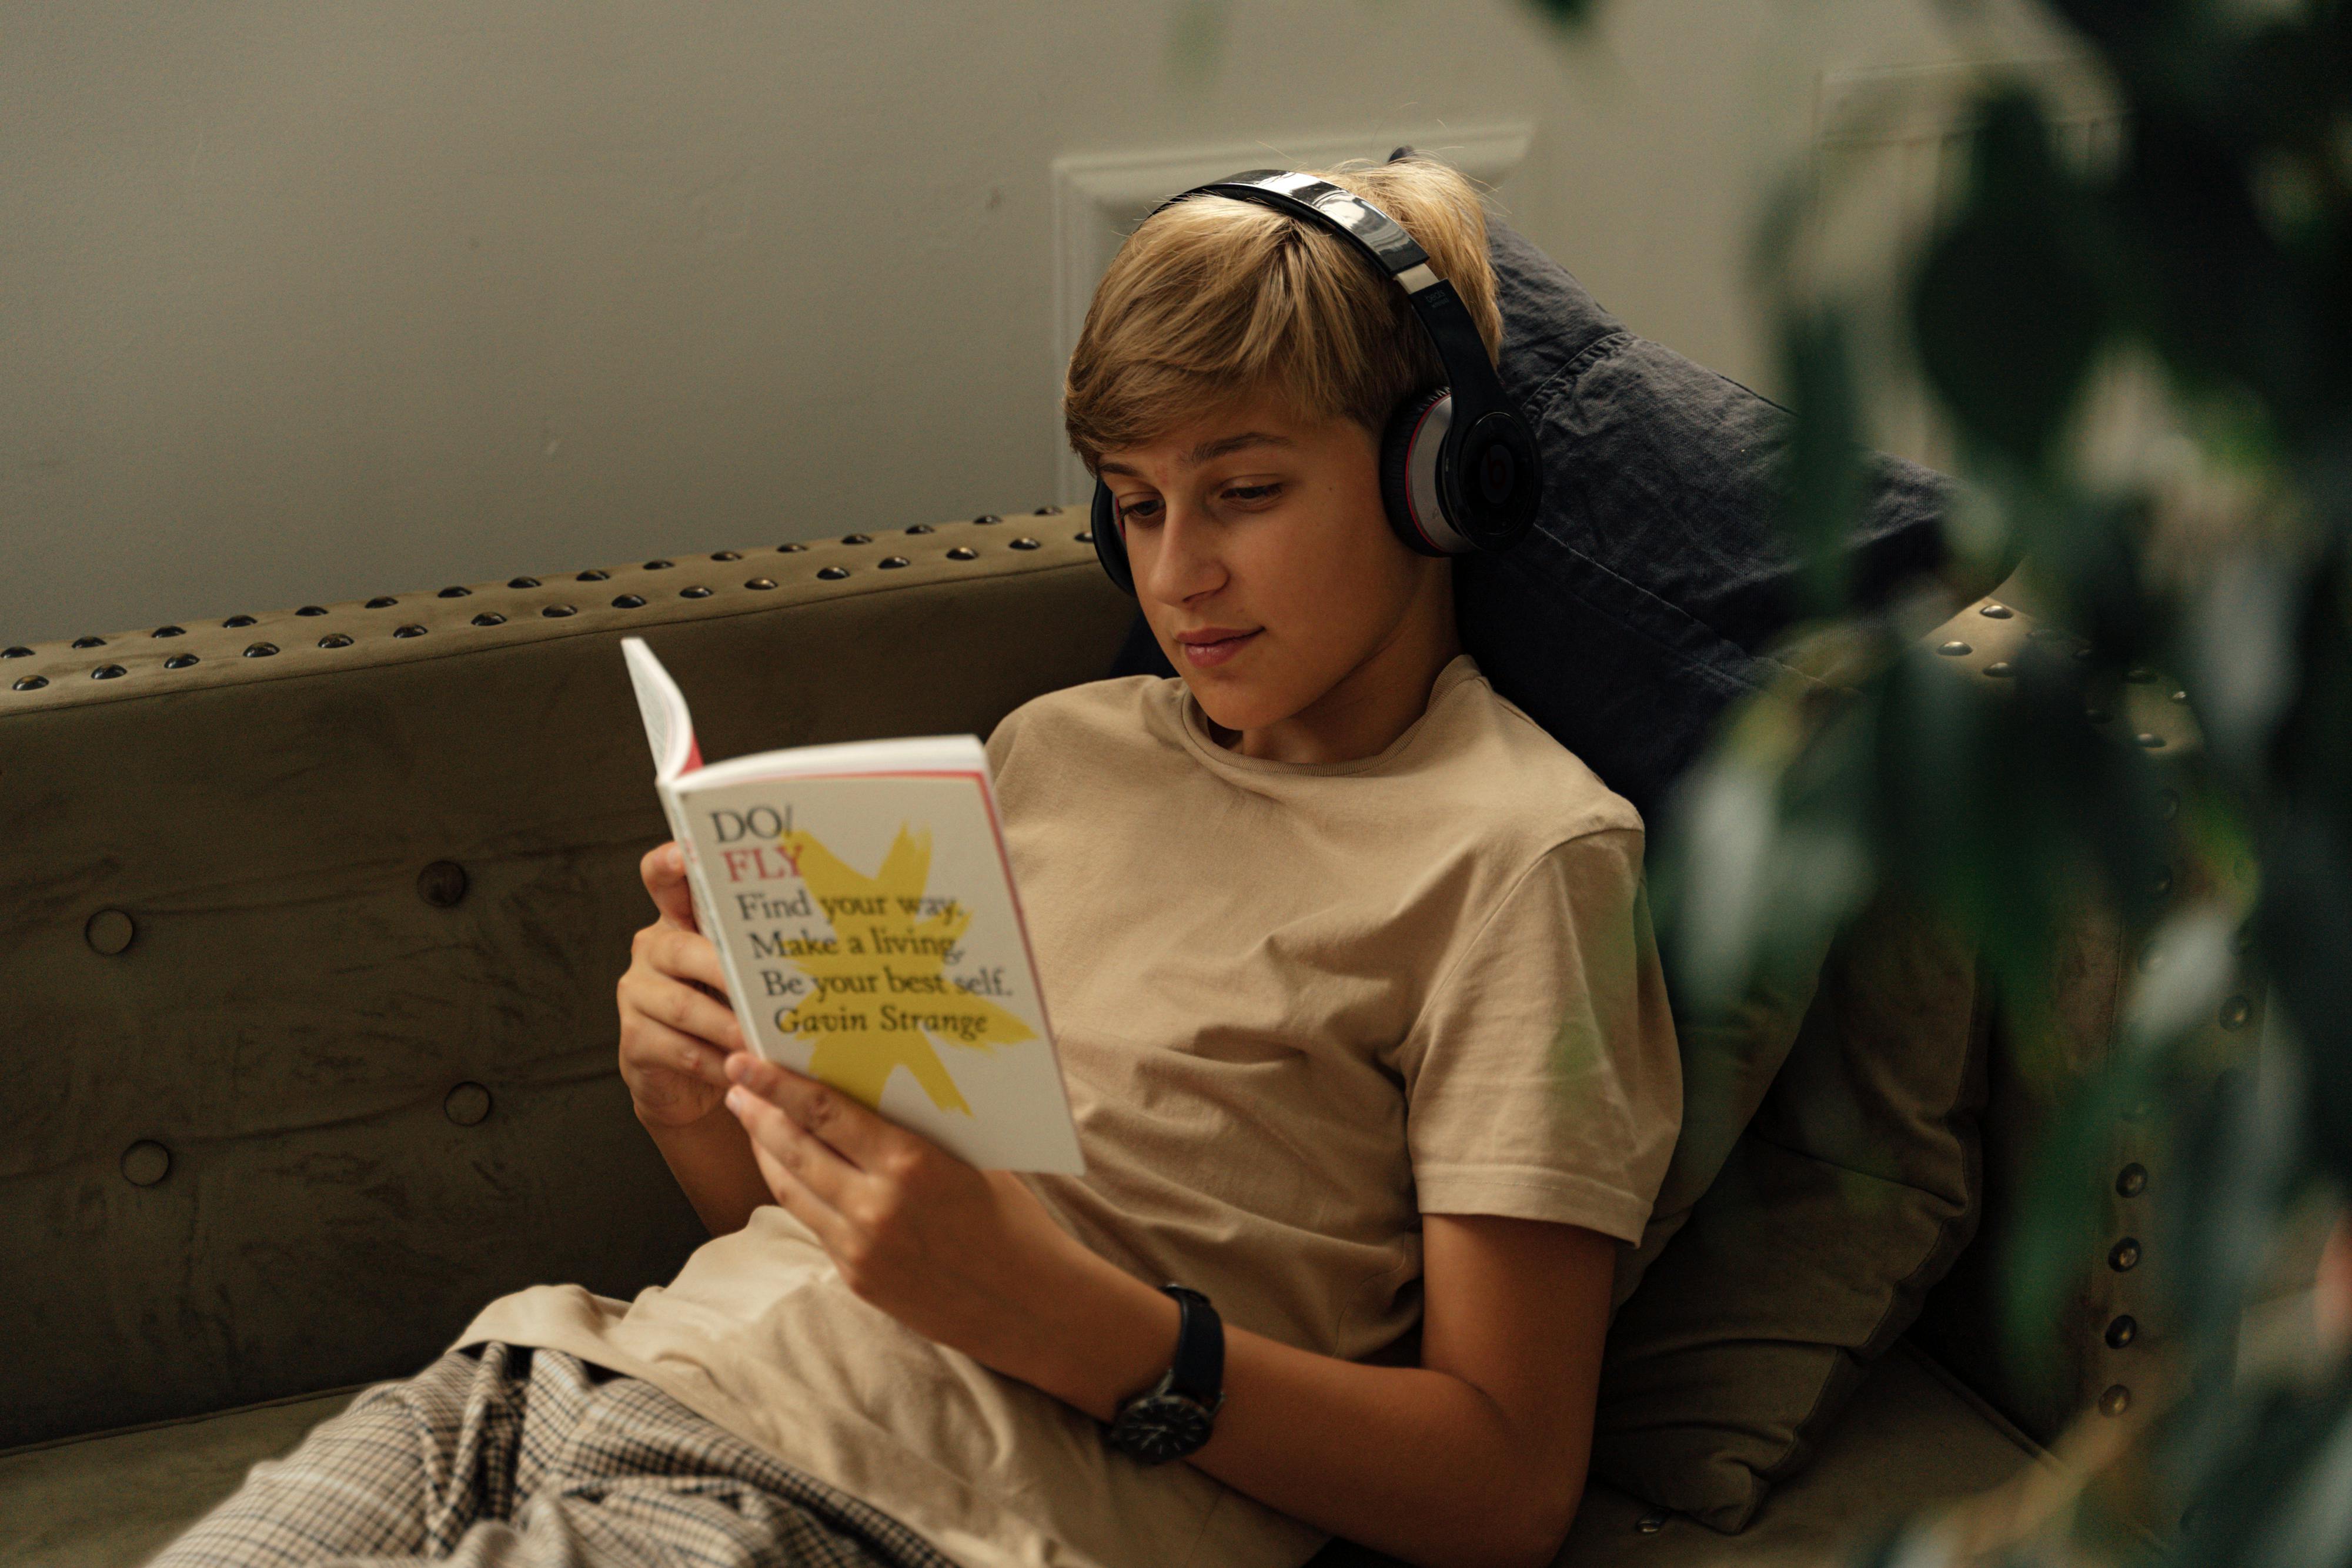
(1246, 494)
(1141, 510)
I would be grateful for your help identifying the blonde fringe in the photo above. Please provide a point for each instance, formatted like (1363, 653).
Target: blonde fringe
(1213, 300)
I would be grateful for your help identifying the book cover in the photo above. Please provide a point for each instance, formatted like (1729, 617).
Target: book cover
(866, 916)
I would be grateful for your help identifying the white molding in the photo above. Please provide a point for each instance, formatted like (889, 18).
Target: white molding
(1098, 197)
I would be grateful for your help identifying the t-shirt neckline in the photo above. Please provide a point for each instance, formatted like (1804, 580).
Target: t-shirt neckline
(1194, 724)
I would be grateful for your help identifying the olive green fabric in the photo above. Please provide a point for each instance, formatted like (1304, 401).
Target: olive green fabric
(327, 940)
(1850, 1193)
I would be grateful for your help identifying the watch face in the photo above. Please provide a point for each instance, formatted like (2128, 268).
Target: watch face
(1161, 1426)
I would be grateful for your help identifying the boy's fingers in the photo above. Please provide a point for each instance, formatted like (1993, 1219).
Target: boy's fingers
(663, 870)
(832, 1116)
(659, 1045)
(682, 1007)
(687, 956)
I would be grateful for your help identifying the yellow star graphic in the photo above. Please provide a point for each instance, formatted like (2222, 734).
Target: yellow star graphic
(883, 995)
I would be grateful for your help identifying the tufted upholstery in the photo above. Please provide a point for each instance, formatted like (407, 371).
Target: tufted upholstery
(310, 954)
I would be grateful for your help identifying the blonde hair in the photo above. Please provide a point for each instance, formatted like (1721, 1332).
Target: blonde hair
(1215, 298)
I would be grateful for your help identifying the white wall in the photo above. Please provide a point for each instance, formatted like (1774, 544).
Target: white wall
(306, 300)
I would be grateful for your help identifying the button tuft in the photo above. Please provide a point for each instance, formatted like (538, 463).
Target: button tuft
(964, 552)
(558, 611)
(259, 650)
(336, 640)
(1954, 649)
(832, 573)
(893, 562)
(761, 583)
(857, 538)
(311, 610)
(179, 661)
(727, 555)
(21, 652)
(106, 673)
(629, 602)
(2235, 1012)
(145, 1162)
(31, 682)
(2122, 1332)
(408, 631)
(382, 602)
(2132, 1180)
(454, 593)
(490, 618)
(2124, 1257)
(592, 575)
(109, 932)
(159, 631)
(2114, 1401)
(987, 517)
(442, 885)
(696, 592)
(1024, 543)
(88, 643)
(468, 1104)
(1994, 611)
(522, 582)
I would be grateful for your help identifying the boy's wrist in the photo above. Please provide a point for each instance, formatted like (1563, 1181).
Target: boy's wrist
(1102, 1339)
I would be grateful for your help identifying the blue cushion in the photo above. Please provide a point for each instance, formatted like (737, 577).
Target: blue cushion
(1655, 579)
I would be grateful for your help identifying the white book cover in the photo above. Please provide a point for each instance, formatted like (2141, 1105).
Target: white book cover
(864, 912)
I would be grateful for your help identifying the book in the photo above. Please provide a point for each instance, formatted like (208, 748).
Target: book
(866, 916)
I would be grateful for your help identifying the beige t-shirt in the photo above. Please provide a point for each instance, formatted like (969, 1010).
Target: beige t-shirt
(1297, 1006)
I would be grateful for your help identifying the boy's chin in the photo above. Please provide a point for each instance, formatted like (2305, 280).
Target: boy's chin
(1235, 703)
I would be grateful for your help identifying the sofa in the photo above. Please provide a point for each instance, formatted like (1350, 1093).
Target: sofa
(314, 922)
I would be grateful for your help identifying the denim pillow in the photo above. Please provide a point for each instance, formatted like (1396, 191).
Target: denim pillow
(1655, 581)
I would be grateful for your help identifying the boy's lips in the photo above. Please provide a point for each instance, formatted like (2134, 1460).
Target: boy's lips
(1212, 645)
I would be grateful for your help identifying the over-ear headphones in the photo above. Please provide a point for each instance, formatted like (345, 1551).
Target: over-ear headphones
(1458, 465)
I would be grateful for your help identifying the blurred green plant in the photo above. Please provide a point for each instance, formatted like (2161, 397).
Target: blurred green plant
(2211, 258)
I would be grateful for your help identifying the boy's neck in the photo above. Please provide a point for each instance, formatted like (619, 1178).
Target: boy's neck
(1373, 704)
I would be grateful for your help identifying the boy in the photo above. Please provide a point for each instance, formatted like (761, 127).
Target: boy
(1354, 988)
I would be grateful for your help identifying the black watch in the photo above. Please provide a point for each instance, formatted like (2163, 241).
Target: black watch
(1175, 1417)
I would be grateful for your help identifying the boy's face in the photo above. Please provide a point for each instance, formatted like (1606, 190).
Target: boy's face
(1266, 566)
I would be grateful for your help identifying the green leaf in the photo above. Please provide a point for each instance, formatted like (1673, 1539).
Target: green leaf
(2006, 314)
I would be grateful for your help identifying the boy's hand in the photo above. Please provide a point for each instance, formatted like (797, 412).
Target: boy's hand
(961, 1256)
(676, 1025)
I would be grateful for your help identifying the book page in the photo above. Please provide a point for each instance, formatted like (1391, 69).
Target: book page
(871, 936)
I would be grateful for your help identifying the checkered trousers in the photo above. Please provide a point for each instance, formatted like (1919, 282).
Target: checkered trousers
(506, 1458)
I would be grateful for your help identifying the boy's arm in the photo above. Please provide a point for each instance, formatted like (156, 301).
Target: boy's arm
(1476, 1458)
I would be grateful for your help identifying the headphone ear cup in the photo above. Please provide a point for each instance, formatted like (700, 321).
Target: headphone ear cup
(1409, 490)
(1110, 544)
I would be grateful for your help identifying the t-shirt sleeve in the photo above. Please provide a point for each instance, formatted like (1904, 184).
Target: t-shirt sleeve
(1541, 1079)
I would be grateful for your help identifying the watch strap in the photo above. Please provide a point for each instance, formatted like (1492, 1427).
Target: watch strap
(1198, 1370)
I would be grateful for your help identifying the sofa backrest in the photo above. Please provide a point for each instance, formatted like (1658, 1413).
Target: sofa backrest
(309, 954)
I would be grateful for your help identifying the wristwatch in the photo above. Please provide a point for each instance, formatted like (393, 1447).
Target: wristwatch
(1175, 1416)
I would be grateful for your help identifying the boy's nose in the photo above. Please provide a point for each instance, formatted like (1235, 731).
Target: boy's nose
(1185, 563)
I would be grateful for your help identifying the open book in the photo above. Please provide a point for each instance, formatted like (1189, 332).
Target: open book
(863, 906)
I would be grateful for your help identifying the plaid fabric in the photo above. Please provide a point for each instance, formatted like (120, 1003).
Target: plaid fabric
(505, 1457)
